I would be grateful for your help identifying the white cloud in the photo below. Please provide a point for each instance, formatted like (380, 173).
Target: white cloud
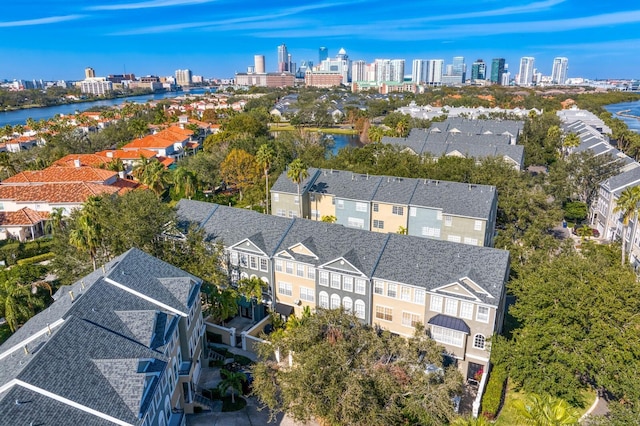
(148, 4)
(40, 21)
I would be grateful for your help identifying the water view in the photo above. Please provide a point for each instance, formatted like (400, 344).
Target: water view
(631, 110)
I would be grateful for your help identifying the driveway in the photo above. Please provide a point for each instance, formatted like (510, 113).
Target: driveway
(248, 416)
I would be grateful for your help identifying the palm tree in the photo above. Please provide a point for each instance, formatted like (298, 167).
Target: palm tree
(87, 234)
(546, 411)
(402, 127)
(231, 380)
(56, 221)
(18, 303)
(570, 141)
(298, 172)
(151, 173)
(7, 165)
(265, 157)
(251, 289)
(627, 204)
(375, 133)
(185, 181)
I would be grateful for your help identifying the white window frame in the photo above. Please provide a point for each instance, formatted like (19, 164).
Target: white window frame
(477, 225)
(435, 304)
(335, 281)
(347, 283)
(359, 308)
(481, 317)
(448, 220)
(285, 289)
(360, 286)
(479, 341)
(340, 204)
(323, 300)
(311, 272)
(466, 310)
(384, 313)
(288, 267)
(454, 238)
(397, 210)
(471, 241)
(451, 307)
(405, 293)
(355, 222)
(447, 336)
(347, 304)
(378, 287)
(409, 319)
(264, 264)
(279, 265)
(253, 262)
(276, 197)
(361, 207)
(376, 207)
(307, 294)
(323, 279)
(334, 301)
(392, 290)
(413, 211)
(419, 296)
(300, 270)
(378, 224)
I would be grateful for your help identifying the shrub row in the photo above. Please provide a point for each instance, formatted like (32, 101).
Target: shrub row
(35, 259)
(493, 395)
(12, 252)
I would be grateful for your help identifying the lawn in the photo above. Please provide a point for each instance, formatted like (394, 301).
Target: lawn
(509, 417)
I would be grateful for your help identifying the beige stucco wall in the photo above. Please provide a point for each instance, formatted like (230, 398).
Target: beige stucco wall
(296, 283)
(323, 204)
(392, 222)
(398, 306)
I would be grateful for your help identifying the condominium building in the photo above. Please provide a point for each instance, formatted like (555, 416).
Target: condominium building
(443, 210)
(393, 281)
(89, 73)
(419, 71)
(97, 86)
(559, 71)
(478, 71)
(183, 77)
(526, 74)
(122, 346)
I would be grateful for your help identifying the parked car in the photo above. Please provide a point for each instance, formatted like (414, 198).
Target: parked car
(594, 232)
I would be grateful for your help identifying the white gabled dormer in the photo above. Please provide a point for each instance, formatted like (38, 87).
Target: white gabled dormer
(303, 250)
(342, 265)
(247, 245)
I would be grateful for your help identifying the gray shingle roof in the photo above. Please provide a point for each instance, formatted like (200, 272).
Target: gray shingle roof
(455, 198)
(344, 184)
(395, 190)
(286, 185)
(431, 264)
(623, 179)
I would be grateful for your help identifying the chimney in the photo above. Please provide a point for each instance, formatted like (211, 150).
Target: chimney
(71, 295)
(26, 350)
(76, 162)
(110, 154)
(121, 174)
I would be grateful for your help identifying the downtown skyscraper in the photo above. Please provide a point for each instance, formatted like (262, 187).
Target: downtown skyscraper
(559, 71)
(284, 58)
(526, 71)
(497, 70)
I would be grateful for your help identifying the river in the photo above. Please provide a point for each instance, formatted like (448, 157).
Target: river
(629, 108)
(20, 116)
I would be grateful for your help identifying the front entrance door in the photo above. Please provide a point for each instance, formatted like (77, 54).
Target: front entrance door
(474, 372)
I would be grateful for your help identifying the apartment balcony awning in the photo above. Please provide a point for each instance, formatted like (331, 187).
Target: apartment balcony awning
(283, 309)
(452, 323)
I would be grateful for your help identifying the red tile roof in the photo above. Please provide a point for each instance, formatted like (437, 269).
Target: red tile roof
(77, 192)
(58, 174)
(162, 139)
(92, 160)
(133, 154)
(24, 216)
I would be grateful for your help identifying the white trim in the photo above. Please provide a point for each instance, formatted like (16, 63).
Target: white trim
(479, 358)
(145, 297)
(238, 246)
(442, 289)
(30, 339)
(70, 403)
(305, 247)
(324, 265)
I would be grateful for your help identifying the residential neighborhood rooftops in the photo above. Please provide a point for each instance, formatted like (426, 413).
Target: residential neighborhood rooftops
(74, 192)
(57, 174)
(24, 216)
(284, 184)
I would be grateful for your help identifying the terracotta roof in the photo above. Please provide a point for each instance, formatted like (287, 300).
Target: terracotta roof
(166, 161)
(162, 139)
(24, 216)
(77, 192)
(92, 160)
(193, 145)
(127, 184)
(60, 174)
(133, 154)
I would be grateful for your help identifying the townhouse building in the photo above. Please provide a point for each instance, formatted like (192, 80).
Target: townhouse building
(465, 138)
(121, 346)
(388, 280)
(452, 211)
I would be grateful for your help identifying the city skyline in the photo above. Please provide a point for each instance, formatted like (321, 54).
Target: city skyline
(215, 39)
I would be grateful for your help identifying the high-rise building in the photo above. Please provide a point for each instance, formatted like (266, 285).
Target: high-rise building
(323, 53)
(183, 77)
(283, 58)
(419, 71)
(89, 72)
(339, 65)
(459, 68)
(359, 71)
(258, 64)
(559, 72)
(478, 71)
(434, 71)
(497, 70)
(389, 70)
(526, 74)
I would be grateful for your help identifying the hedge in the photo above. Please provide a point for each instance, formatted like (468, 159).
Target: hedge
(35, 259)
(493, 395)
(12, 252)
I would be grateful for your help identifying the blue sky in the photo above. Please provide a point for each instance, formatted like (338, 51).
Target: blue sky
(57, 39)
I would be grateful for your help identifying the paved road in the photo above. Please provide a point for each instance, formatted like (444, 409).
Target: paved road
(249, 416)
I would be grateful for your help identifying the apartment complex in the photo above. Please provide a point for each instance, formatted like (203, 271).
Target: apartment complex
(121, 346)
(393, 281)
(451, 211)
(465, 138)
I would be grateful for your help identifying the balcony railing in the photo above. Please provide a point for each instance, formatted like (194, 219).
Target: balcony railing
(185, 368)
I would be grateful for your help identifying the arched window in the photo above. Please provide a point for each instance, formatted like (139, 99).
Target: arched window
(478, 341)
(323, 300)
(347, 304)
(244, 275)
(161, 421)
(359, 309)
(167, 408)
(335, 301)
